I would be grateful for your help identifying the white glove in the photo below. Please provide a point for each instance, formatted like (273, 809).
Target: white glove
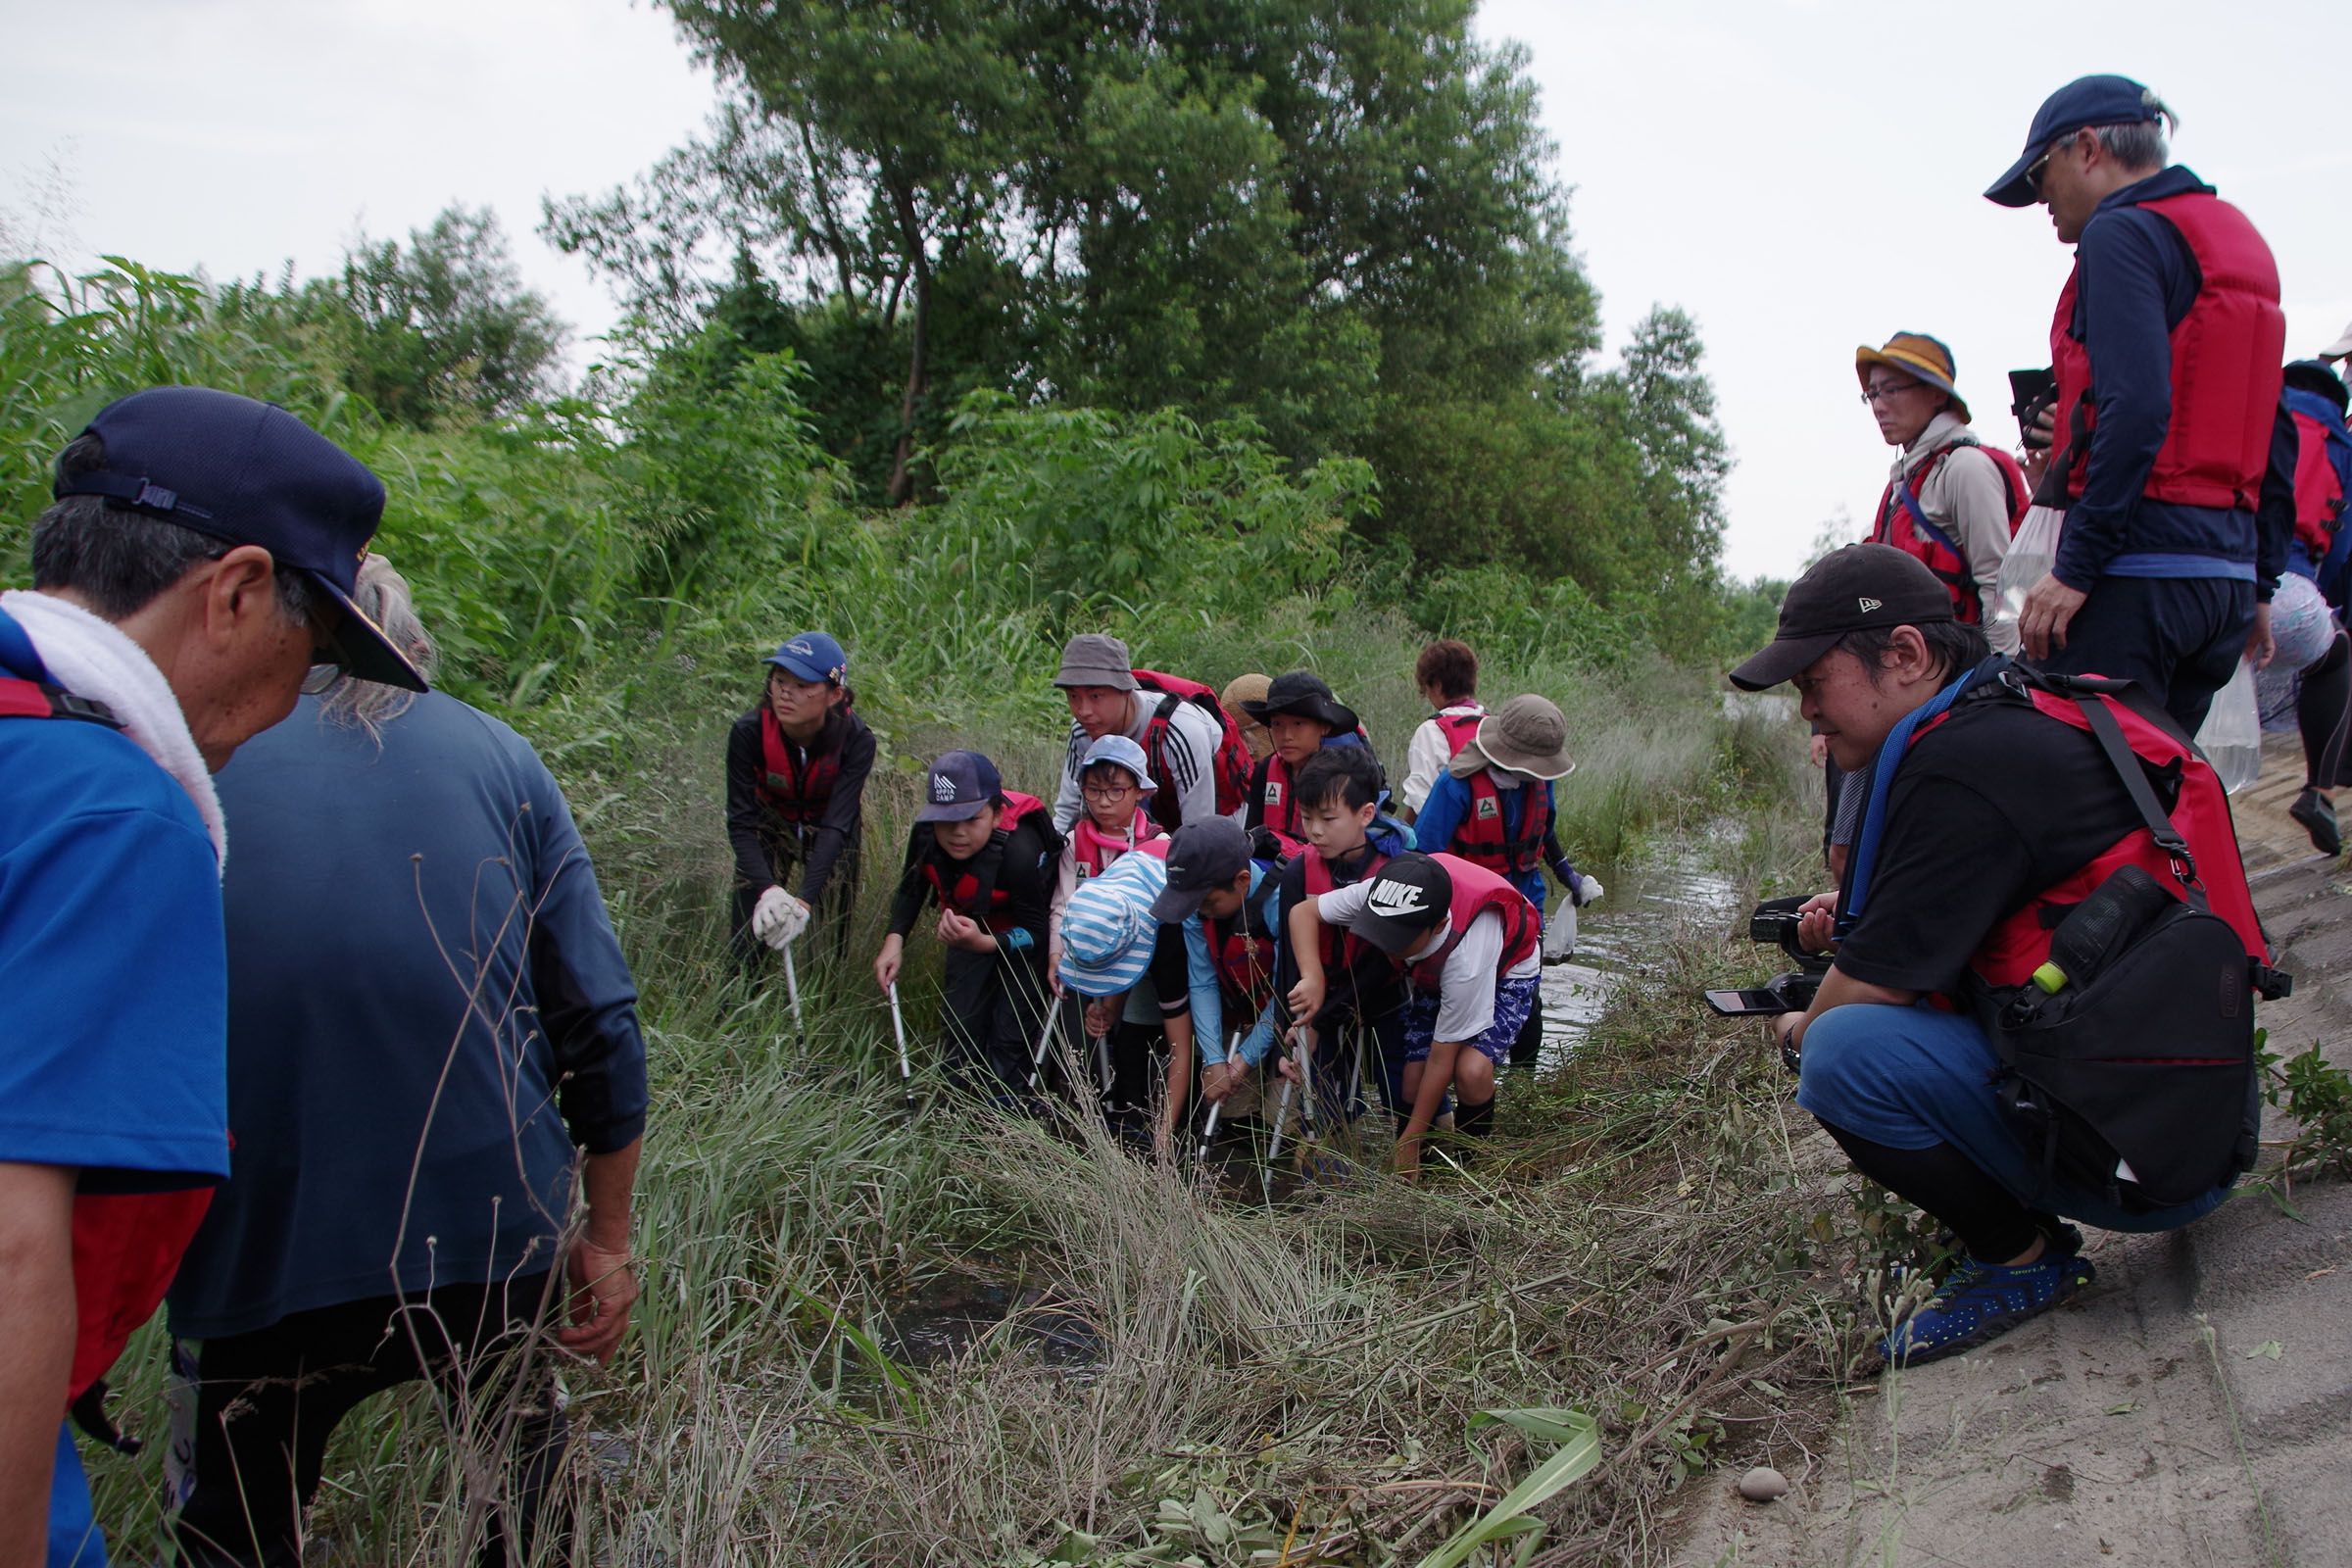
(779, 917)
(1587, 889)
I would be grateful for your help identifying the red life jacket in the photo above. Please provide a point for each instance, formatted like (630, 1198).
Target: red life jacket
(1339, 949)
(1459, 729)
(1481, 838)
(1903, 524)
(1280, 807)
(964, 895)
(2225, 356)
(1231, 765)
(796, 792)
(1476, 890)
(127, 1246)
(1092, 850)
(2020, 943)
(2319, 487)
(1244, 960)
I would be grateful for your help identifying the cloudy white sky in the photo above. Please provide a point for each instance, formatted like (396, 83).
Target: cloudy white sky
(1799, 174)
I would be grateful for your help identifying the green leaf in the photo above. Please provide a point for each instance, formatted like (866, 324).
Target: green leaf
(1579, 1453)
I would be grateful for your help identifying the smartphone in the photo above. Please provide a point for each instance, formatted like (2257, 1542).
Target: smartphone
(1746, 1004)
(2029, 387)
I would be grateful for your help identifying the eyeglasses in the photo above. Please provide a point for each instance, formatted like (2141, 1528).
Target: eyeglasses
(2033, 169)
(1881, 393)
(1107, 792)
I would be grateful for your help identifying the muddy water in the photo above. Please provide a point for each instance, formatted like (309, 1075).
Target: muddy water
(1672, 891)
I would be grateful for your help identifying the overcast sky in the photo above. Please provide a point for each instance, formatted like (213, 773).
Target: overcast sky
(1800, 176)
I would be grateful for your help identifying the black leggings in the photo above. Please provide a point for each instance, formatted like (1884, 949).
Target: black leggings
(1941, 1181)
(2324, 713)
(268, 1401)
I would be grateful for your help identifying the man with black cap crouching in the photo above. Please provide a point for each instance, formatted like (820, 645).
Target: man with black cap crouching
(1974, 1046)
(193, 578)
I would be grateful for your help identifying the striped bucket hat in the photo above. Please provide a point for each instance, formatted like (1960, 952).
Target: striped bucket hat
(1108, 930)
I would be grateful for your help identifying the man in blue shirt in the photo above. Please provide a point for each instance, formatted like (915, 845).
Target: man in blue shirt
(194, 575)
(2166, 346)
(427, 1014)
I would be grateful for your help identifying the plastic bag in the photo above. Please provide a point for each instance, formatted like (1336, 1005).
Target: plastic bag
(2032, 554)
(2232, 735)
(1559, 931)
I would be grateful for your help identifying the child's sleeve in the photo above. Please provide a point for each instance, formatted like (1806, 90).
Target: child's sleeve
(908, 903)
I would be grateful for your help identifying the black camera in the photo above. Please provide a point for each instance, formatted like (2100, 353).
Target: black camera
(1775, 924)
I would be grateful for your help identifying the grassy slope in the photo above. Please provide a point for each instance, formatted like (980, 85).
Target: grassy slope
(1294, 1372)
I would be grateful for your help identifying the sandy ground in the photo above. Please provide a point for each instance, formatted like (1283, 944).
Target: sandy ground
(2192, 1407)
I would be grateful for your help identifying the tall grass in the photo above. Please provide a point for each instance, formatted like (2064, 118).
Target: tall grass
(1290, 1379)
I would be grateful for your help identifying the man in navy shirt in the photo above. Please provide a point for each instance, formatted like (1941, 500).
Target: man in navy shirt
(2166, 344)
(193, 577)
(427, 1014)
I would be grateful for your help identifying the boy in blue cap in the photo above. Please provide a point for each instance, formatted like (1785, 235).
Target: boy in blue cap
(797, 767)
(985, 855)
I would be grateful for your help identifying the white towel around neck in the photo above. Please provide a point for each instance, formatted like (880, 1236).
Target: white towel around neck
(92, 658)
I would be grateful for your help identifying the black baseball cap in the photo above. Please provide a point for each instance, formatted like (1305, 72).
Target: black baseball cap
(1406, 901)
(1202, 857)
(959, 788)
(249, 474)
(2084, 101)
(1855, 589)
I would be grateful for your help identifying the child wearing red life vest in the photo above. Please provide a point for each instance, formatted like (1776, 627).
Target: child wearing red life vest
(1446, 673)
(1302, 716)
(985, 855)
(1116, 783)
(1467, 945)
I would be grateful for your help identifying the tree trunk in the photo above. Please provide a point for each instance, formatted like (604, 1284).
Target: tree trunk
(901, 480)
(824, 207)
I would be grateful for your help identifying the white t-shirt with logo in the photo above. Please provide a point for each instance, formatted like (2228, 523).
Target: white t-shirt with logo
(1466, 983)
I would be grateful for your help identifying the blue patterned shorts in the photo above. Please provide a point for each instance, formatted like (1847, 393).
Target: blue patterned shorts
(1513, 1001)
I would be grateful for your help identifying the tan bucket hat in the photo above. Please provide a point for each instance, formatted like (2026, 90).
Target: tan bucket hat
(1527, 735)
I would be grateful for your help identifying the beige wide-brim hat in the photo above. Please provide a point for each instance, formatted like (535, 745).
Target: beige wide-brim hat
(1527, 735)
(1250, 688)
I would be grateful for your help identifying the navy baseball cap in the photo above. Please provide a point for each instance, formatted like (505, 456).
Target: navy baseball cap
(959, 788)
(1202, 857)
(2089, 101)
(811, 655)
(250, 473)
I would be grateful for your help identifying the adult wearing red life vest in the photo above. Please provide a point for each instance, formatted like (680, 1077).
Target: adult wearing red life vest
(984, 855)
(1951, 500)
(2166, 344)
(797, 767)
(2307, 685)
(181, 604)
(1991, 801)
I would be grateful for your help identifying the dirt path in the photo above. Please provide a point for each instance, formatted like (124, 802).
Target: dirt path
(2202, 1371)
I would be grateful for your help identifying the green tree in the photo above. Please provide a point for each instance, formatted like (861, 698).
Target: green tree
(442, 325)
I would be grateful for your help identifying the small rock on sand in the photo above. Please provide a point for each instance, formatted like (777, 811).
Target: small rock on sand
(1762, 1484)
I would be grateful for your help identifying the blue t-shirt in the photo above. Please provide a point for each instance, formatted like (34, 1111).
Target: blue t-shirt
(112, 995)
(427, 1009)
(1448, 802)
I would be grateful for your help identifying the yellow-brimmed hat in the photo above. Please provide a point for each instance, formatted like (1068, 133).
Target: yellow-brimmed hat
(1919, 356)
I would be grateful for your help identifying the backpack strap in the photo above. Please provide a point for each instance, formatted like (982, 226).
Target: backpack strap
(2126, 763)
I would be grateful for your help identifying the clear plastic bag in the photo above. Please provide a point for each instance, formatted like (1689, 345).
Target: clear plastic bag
(1559, 930)
(2032, 554)
(2232, 735)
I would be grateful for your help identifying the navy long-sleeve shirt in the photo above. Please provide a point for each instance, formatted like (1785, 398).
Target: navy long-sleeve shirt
(762, 841)
(2135, 280)
(427, 1011)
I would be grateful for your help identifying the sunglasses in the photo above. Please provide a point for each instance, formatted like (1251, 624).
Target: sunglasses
(330, 664)
(2035, 169)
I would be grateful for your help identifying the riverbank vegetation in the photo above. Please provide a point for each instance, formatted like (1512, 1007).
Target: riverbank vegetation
(1339, 392)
